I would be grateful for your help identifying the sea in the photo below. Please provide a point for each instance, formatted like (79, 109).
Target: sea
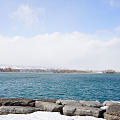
(72, 86)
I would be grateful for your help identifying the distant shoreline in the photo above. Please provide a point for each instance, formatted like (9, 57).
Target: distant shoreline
(45, 70)
(58, 71)
(63, 72)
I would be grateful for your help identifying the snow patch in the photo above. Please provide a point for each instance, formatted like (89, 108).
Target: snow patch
(45, 116)
(104, 107)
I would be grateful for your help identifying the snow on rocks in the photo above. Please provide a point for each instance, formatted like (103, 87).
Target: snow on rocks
(45, 116)
(32, 109)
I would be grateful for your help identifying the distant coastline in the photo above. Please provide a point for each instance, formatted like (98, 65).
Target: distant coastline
(58, 71)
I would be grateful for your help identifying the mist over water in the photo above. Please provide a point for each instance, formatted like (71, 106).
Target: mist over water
(60, 86)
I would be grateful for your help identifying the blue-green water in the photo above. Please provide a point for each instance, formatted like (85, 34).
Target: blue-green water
(60, 86)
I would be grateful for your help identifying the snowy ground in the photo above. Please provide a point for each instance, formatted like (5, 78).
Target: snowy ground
(45, 116)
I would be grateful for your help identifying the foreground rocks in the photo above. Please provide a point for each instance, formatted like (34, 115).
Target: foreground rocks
(17, 110)
(108, 103)
(109, 110)
(82, 111)
(113, 112)
(91, 103)
(81, 108)
(16, 102)
(80, 103)
(48, 106)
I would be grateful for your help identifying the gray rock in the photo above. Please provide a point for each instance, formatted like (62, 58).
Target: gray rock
(68, 102)
(108, 103)
(16, 102)
(79, 103)
(91, 103)
(89, 111)
(113, 112)
(82, 111)
(111, 117)
(47, 100)
(48, 106)
(69, 110)
(17, 110)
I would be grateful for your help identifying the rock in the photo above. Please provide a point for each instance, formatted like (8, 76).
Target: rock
(113, 112)
(17, 110)
(72, 110)
(48, 106)
(108, 103)
(47, 100)
(89, 111)
(68, 102)
(69, 110)
(111, 117)
(16, 102)
(91, 103)
(79, 103)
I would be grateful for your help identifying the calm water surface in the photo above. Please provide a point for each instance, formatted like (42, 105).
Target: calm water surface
(61, 86)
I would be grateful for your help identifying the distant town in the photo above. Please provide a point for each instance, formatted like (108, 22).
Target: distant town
(8, 69)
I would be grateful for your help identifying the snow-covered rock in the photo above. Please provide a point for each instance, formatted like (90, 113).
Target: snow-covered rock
(45, 116)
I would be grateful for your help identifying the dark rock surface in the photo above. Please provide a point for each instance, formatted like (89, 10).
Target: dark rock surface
(17, 110)
(17, 102)
(47, 100)
(80, 103)
(113, 112)
(111, 117)
(110, 109)
(72, 110)
(91, 103)
(48, 106)
(68, 102)
(69, 110)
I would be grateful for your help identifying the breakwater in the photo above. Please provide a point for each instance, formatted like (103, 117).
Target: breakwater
(109, 110)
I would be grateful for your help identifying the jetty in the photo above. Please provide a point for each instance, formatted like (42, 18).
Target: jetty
(109, 110)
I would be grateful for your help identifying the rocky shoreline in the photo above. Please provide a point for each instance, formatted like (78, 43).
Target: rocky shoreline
(109, 110)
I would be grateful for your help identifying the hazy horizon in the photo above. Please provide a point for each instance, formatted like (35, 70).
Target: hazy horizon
(79, 34)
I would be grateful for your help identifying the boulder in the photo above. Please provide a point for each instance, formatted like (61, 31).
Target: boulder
(82, 111)
(48, 106)
(79, 103)
(89, 111)
(91, 103)
(111, 117)
(16, 102)
(113, 112)
(108, 103)
(69, 110)
(47, 100)
(17, 110)
(68, 102)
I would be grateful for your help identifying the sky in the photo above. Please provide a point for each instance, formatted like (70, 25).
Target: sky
(68, 34)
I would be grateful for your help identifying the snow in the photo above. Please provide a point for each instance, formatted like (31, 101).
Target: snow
(104, 107)
(116, 101)
(45, 116)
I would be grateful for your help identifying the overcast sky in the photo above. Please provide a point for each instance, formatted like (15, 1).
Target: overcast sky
(74, 34)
